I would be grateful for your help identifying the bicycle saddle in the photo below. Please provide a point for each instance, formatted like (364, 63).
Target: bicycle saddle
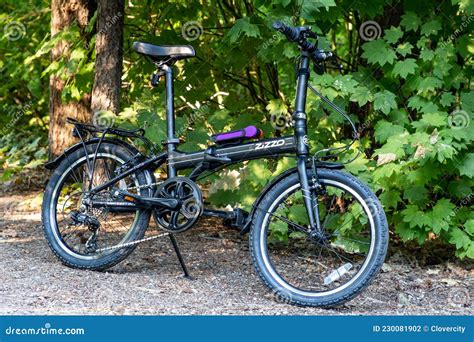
(158, 52)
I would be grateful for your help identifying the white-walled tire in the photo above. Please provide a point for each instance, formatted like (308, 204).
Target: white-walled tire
(64, 252)
(271, 273)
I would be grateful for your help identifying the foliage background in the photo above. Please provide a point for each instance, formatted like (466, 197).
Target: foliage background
(407, 84)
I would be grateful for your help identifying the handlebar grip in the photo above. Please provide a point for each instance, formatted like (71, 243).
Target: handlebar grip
(290, 32)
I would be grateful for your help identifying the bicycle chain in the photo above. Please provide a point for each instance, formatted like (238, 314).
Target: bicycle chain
(136, 242)
(131, 243)
(144, 186)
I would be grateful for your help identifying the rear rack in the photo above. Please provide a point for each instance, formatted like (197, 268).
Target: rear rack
(82, 130)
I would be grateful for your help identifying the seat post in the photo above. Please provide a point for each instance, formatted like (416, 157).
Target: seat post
(171, 140)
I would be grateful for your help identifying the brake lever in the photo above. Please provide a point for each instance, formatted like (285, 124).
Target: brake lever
(319, 68)
(334, 61)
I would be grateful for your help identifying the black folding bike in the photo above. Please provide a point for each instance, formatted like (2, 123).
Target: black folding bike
(318, 235)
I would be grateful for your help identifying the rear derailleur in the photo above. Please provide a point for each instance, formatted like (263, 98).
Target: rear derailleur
(92, 224)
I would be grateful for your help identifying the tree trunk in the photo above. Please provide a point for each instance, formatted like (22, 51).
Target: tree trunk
(63, 14)
(109, 54)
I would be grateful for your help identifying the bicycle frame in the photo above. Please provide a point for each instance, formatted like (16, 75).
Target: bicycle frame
(219, 156)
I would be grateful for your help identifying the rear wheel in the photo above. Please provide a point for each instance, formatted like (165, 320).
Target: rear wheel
(312, 271)
(84, 236)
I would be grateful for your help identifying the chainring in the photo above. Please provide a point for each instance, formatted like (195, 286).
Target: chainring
(183, 218)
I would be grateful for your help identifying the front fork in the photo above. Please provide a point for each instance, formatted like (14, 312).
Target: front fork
(302, 149)
(310, 197)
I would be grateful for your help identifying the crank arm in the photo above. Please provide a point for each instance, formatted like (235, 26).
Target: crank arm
(132, 201)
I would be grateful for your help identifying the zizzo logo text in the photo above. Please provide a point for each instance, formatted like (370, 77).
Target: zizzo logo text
(269, 144)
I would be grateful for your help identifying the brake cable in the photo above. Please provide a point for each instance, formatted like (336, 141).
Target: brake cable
(355, 136)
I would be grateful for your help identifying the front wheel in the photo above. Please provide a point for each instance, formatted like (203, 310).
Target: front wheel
(330, 268)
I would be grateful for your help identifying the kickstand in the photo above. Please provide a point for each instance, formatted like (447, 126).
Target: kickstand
(180, 257)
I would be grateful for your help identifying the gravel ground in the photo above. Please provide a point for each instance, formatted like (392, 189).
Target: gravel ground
(150, 281)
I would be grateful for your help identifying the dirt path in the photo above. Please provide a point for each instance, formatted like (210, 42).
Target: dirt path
(33, 281)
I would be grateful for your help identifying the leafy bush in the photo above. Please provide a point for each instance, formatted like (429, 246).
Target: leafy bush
(407, 85)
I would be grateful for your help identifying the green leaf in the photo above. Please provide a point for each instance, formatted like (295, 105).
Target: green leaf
(260, 174)
(415, 193)
(427, 54)
(385, 129)
(393, 34)
(431, 27)
(395, 145)
(441, 215)
(460, 239)
(444, 152)
(467, 101)
(361, 95)
(404, 68)
(467, 166)
(404, 48)
(429, 84)
(276, 107)
(390, 198)
(385, 101)
(470, 251)
(421, 105)
(410, 21)
(437, 119)
(447, 99)
(310, 8)
(378, 51)
(242, 27)
(412, 215)
(469, 225)
(385, 171)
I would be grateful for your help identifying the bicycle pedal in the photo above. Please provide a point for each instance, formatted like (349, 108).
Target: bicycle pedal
(126, 196)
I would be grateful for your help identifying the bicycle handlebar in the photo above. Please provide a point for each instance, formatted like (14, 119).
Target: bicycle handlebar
(300, 34)
(292, 33)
